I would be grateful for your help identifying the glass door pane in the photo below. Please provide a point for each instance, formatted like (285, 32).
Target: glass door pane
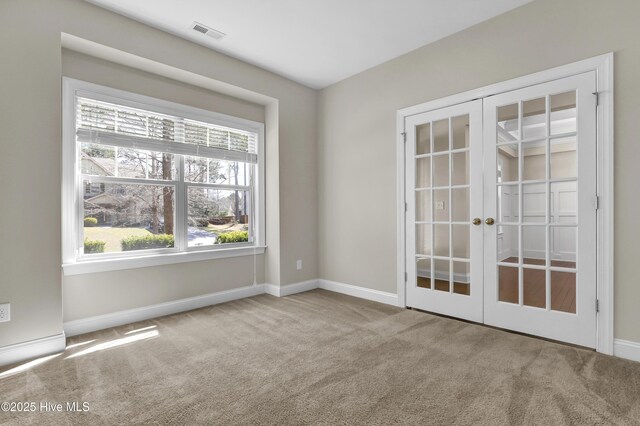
(442, 209)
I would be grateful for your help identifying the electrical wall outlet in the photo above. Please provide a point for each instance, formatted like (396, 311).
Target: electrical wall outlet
(439, 205)
(5, 312)
(299, 264)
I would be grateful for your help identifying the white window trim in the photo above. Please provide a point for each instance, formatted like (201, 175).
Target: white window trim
(72, 264)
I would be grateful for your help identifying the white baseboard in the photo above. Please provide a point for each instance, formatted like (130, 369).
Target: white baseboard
(361, 292)
(32, 349)
(289, 289)
(626, 349)
(100, 322)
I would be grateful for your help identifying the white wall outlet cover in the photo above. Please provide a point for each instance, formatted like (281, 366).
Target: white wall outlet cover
(5, 312)
(299, 264)
(439, 205)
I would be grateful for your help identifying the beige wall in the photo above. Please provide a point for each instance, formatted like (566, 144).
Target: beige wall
(30, 269)
(93, 70)
(106, 292)
(358, 130)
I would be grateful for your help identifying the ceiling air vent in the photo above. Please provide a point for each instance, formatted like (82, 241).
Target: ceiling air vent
(207, 31)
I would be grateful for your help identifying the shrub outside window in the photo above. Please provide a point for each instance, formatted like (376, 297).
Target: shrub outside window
(151, 177)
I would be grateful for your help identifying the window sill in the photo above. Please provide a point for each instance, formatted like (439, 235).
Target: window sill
(104, 265)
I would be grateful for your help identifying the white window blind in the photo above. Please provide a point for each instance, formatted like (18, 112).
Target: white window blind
(116, 125)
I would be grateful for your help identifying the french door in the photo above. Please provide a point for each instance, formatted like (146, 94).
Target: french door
(444, 198)
(501, 210)
(540, 186)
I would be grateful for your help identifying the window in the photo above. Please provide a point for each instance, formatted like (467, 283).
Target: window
(150, 177)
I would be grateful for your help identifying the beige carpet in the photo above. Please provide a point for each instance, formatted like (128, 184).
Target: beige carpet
(323, 358)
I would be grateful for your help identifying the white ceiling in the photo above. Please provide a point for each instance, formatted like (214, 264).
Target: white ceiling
(316, 43)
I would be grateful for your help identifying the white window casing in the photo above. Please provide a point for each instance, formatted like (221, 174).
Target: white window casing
(113, 118)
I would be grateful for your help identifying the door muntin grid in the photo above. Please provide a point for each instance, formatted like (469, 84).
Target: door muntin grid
(442, 205)
(536, 193)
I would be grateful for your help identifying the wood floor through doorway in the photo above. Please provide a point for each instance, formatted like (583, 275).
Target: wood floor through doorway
(562, 285)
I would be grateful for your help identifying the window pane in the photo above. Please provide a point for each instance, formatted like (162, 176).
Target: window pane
(462, 278)
(229, 172)
(564, 203)
(220, 172)
(217, 216)
(534, 203)
(563, 291)
(442, 275)
(441, 240)
(423, 172)
(508, 285)
(507, 126)
(563, 113)
(441, 135)
(460, 129)
(128, 217)
(534, 288)
(460, 165)
(441, 170)
(534, 249)
(97, 160)
(461, 242)
(509, 244)
(423, 239)
(508, 204)
(508, 163)
(564, 158)
(460, 204)
(103, 160)
(423, 139)
(423, 206)
(534, 161)
(564, 246)
(133, 163)
(423, 273)
(535, 118)
(441, 205)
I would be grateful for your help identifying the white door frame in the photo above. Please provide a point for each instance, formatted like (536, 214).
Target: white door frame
(603, 66)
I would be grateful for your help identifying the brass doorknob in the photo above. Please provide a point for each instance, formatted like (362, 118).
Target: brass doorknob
(489, 221)
(477, 221)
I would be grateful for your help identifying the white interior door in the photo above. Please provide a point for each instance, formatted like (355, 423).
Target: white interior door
(540, 187)
(443, 157)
